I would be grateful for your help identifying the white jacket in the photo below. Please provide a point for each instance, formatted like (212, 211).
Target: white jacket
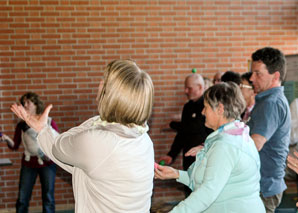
(112, 165)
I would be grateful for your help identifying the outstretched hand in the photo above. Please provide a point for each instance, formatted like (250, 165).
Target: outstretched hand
(165, 172)
(193, 151)
(35, 122)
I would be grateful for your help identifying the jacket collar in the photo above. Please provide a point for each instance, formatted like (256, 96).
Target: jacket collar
(119, 129)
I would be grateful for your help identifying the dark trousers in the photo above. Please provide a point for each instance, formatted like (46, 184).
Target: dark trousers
(271, 203)
(27, 180)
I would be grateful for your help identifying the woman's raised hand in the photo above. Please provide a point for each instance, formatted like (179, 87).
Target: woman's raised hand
(35, 122)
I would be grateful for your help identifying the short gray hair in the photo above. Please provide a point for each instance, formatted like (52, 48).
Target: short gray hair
(229, 95)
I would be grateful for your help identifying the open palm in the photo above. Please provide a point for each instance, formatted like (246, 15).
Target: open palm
(37, 123)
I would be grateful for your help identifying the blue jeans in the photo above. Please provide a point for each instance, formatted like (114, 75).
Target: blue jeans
(27, 181)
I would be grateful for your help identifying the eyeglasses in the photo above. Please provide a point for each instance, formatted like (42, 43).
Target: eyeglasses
(245, 86)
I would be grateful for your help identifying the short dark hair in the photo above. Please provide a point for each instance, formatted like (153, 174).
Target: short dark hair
(274, 60)
(246, 76)
(231, 76)
(34, 98)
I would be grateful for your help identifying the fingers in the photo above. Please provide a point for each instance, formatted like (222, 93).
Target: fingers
(46, 112)
(165, 173)
(157, 173)
(25, 115)
(167, 159)
(293, 163)
(31, 121)
(160, 172)
(292, 160)
(292, 167)
(48, 109)
(191, 152)
(16, 110)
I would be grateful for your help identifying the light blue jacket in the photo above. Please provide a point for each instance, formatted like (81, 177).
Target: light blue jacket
(226, 174)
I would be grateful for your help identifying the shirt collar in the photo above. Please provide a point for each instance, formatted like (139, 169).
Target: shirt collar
(268, 92)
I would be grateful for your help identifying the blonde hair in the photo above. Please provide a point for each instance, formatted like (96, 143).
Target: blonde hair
(127, 94)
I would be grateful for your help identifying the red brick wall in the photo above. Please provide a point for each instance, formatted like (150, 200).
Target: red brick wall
(58, 48)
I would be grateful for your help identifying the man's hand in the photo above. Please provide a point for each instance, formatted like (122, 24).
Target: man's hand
(194, 150)
(168, 159)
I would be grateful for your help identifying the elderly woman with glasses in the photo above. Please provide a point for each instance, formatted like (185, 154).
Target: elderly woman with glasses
(225, 176)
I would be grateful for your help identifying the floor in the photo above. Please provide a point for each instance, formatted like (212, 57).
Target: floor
(288, 205)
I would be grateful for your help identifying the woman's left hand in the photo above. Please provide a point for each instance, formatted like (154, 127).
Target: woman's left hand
(37, 123)
(165, 172)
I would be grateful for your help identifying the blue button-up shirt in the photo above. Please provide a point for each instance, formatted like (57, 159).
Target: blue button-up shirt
(271, 118)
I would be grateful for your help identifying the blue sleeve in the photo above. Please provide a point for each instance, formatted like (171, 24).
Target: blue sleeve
(184, 176)
(265, 119)
(220, 162)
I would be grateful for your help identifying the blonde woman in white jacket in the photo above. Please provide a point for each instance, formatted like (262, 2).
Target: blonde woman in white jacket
(110, 156)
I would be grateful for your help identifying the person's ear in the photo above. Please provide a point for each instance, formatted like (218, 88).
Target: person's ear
(220, 109)
(201, 88)
(276, 76)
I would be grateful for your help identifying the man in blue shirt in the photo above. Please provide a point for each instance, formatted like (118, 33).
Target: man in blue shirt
(270, 122)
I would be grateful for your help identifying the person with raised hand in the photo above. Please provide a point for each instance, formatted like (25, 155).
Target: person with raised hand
(34, 162)
(110, 156)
